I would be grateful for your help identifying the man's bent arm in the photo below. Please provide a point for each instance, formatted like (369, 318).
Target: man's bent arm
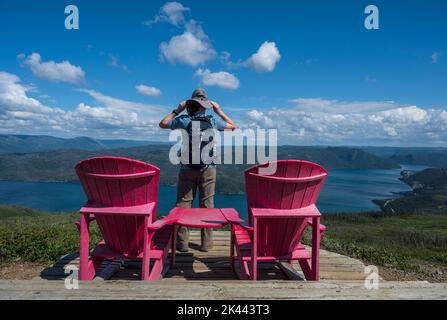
(164, 123)
(224, 117)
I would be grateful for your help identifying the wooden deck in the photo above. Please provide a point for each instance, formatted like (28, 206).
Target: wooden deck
(208, 276)
(215, 265)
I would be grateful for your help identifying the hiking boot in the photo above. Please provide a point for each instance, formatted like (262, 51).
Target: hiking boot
(182, 239)
(207, 240)
(182, 248)
(204, 249)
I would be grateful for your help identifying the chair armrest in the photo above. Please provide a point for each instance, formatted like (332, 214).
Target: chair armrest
(306, 212)
(231, 215)
(144, 209)
(157, 225)
(247, 227)
(91, 217)
(322, 227)
(242, 225)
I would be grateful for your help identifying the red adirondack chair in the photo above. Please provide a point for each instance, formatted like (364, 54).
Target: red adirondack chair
(280, 206)
(122, 198)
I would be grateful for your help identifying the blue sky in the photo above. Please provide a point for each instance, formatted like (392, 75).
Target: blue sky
(309, 69)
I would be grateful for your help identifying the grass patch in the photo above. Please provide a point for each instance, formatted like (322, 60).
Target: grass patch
(408, 242)
(33, 236)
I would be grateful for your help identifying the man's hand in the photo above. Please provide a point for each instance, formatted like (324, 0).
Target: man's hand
(181, 107)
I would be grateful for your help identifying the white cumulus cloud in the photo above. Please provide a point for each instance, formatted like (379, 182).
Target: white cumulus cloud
(53, 71)
(171, 12)
(322, 121)
(192, 47)
(148, 91)
(109, 117)
(221, 79)
(265, 59)
(120, 104)
(260, 118)
(304, 121)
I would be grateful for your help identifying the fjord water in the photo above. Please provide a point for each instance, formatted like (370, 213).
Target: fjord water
(346, 190)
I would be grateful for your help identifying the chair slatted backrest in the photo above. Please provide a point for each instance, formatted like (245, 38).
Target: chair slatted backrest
(120, 182)
(295, 184)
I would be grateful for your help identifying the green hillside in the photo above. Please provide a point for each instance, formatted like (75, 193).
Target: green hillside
(431, 157)
(40, 143)
(429, 193)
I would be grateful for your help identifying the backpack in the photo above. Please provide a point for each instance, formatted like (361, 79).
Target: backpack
(205, 124)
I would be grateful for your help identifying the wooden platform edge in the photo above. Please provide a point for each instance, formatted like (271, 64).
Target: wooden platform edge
(239, 290)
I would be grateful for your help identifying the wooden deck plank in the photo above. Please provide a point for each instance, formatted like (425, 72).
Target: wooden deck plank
(40, 289)
(214, 265)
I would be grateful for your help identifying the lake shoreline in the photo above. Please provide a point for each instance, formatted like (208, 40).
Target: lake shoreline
(346, 190)
(428, 193)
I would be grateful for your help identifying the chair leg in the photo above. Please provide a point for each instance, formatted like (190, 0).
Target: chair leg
(316, 248)
(232, 251)
(254, 252)
(156, 270)
(173, 246)
(243, 273)
(254, 269)
(305, 266)
(145, 267)
(85, 269)
(244, 270)
(146, 254)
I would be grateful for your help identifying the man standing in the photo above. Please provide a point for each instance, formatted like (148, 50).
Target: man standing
(199, 175)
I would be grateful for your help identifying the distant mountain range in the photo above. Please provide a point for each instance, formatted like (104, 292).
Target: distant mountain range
(46, 158)
(431, 157)
(58, 165)
(10, 144)
(29, 143)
